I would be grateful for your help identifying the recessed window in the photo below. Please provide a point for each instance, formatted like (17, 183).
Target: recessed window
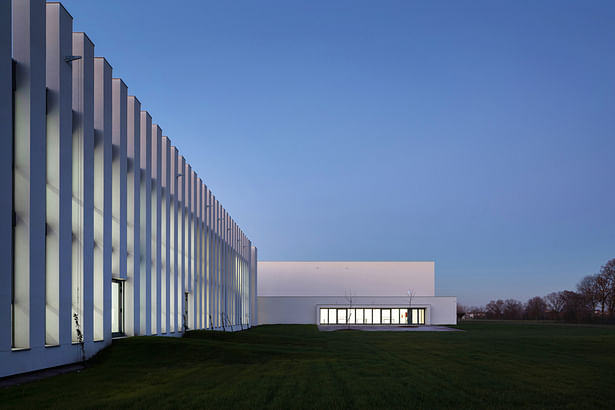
(403, 316)
(371, 316)
(367, 319)
(386, 316)
(324, 316)
(395, 316)
(117, 308)
(376, 316)
(332, 316)
(341, 316)
(359, 313)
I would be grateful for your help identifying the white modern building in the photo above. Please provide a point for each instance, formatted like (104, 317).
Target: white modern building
(352, 293)
(105, 229)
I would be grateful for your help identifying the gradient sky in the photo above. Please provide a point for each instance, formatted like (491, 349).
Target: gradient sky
(478, 134)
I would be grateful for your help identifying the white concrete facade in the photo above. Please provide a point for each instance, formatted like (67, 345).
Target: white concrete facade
(337, 278)
(294, 292)
(102, 222)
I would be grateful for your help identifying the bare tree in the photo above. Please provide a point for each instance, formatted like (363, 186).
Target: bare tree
(555, 303)
(608, 272)
(576, 308)
(476, 312)
(593, 292)
(588, 287)
(79, 336)
(535, 308)
(410, 296)
(495, 309)
(602, 292)
(348, 297)
(512, 309)
(461, 311)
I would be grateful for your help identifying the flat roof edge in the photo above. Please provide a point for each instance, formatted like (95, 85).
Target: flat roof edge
(346, 261)
(354, 296)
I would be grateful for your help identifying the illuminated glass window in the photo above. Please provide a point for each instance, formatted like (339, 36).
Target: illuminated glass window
(359, 313)
(324, 316)
(418, 316)
(341, 316)
(376, 316)
(395, 316)
(367, 316)
(386, 316)
(332, 316)
(403, 316)
(350, 314)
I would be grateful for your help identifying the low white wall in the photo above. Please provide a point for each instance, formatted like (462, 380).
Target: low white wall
(441, 310)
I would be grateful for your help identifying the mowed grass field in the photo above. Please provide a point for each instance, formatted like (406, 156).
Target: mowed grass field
(490, 365)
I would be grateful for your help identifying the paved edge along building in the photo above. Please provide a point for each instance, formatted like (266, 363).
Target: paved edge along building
(105, 229)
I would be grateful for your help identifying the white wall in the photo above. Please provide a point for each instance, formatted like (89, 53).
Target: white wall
(440, 310)
(57, 244)
(340, 278)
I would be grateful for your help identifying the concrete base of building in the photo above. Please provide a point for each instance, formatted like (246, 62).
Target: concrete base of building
(385, 328)
(39, 374)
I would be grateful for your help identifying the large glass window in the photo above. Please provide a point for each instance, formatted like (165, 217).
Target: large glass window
(395, 316)
(332, 316)
(350, 316)
(403, 316)
(386, 316)
(359, 313)
(418, 316)
(376, 316)
(367, 316)
(341, 316)
(324, 316)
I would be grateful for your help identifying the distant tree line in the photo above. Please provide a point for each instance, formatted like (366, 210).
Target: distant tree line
(593, 300)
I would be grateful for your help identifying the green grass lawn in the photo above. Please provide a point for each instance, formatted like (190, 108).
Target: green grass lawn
(490, 365)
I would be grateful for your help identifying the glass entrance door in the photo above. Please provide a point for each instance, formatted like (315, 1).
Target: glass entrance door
(117, 308)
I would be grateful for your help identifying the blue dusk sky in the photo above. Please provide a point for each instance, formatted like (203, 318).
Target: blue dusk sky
(478, 134)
